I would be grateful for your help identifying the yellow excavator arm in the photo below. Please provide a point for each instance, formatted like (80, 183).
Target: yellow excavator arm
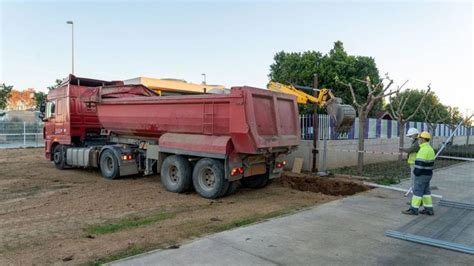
(343, 115)
(302, 98)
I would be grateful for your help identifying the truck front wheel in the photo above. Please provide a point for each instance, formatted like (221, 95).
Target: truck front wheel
(209, 178)
(175, 174)
(109, 165)
(58, 157)
(256, 181)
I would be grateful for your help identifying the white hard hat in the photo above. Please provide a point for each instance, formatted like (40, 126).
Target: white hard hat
(412, 131)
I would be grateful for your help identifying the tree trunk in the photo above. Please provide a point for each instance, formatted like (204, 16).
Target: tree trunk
(402, 138)
(431, 130)
(468, 134)
(360, 154)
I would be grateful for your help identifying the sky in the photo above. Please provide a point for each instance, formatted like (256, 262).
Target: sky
(234, 42)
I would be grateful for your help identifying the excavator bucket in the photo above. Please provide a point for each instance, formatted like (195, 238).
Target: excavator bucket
(344, 115)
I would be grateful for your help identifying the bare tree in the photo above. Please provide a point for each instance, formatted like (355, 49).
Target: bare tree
(452, 120)
(375, 93)
(400, 114)
(468, 124)
(432, 118)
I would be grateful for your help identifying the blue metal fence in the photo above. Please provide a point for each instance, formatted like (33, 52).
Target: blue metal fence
(374, 128)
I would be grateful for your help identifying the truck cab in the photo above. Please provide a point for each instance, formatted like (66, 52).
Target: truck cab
(68, 120)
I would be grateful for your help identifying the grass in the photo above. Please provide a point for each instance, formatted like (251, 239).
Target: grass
(388, 173)
(131, 251)
(196, 229)
(127, 223)
(466, 151)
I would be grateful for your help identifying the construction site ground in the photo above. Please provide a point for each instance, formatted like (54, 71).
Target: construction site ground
(74, 216)
(347, 231)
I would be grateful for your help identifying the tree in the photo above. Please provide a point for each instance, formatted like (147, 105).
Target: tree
(454, 117)
(56, 84)
(375, 94)
(468, 124)
(436, 114)
(39, 97)
(337, 65)
(400, 111)
(21, 100)
(4, 94)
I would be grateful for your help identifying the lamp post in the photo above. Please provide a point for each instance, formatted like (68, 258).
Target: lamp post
(204, 78)
(72, 44)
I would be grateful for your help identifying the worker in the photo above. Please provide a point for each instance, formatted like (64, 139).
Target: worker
(423, 171)
(414, 147)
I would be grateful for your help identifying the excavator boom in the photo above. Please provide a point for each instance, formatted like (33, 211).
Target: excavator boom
(343, 114)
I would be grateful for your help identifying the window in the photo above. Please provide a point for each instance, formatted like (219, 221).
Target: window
(50, 109)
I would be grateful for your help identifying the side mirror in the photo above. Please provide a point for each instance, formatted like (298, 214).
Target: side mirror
(42, 107)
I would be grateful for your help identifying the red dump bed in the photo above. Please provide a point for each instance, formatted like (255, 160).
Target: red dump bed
(256, 120)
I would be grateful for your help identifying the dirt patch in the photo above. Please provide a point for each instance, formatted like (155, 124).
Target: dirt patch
(47, 215)
(336, 186)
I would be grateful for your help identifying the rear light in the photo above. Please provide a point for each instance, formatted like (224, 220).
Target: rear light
(127, 157)
(237, 171)
(280, 164)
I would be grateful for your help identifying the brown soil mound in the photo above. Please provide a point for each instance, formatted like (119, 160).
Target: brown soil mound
(337, 186)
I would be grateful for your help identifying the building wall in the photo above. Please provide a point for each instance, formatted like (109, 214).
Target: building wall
(336, 158)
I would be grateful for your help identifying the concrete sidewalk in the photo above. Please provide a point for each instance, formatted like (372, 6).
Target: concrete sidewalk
(342, 232)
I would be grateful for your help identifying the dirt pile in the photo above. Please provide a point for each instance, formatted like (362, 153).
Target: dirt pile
(337, 186)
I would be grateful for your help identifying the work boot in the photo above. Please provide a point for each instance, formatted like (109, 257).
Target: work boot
(410, 212)
(427, 212)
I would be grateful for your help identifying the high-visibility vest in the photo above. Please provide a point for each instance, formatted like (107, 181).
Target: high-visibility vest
(424, 161)
(412, 156)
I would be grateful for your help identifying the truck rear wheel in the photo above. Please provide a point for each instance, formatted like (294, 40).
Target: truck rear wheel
(176, 174)
(209, 178)
(109, 165)
(256, 181)
(58, 157)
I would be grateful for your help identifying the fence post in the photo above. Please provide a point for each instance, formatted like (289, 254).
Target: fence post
(24, 134)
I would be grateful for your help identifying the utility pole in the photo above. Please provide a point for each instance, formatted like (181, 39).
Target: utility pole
(72, 44)
(315, 124)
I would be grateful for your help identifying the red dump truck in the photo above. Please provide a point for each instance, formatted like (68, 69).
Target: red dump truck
(205, 141)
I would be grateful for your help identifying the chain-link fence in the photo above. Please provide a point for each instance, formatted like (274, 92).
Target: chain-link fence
(21, 135)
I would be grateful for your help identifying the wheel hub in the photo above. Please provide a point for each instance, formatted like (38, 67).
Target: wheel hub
(57, 157)
(110, 164)
(208, 178)
(173, 174)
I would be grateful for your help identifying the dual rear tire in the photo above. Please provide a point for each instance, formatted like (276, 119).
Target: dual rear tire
(207, 177)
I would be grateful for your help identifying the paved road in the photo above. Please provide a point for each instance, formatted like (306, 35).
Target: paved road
(342, 232)
(454, 183)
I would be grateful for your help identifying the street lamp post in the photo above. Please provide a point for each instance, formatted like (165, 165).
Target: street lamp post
(204, 78)
(72, 44)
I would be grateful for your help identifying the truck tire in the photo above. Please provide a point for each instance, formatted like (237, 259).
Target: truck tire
(109, 165)
(176, 174)
(256, 181)
(209, 178)
(59, 157)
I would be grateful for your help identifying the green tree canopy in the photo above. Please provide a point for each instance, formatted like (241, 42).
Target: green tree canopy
(40, 97)
(4, 94)
(56, 84)
(414, 97)
(337, 65)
